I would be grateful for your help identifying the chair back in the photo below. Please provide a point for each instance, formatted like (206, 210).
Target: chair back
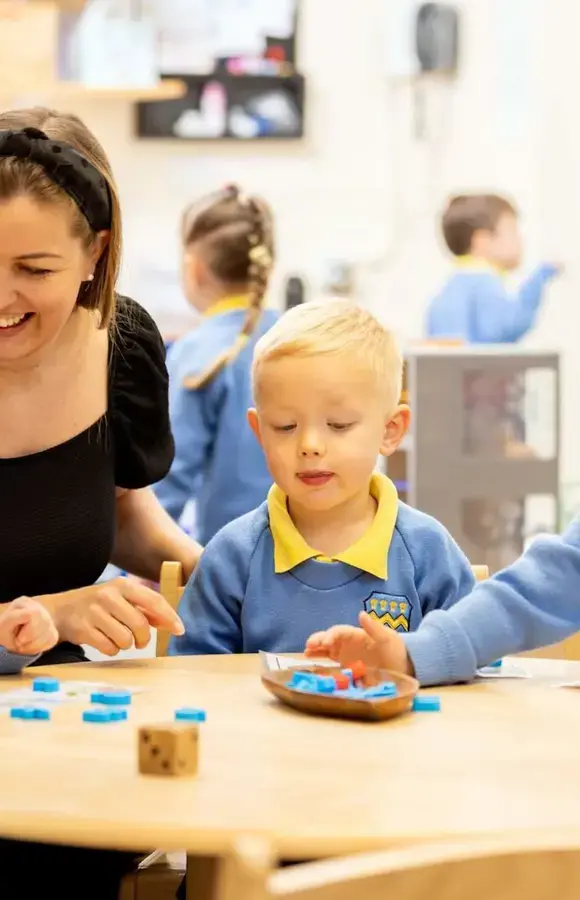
(528, 867)
(171, 587)
(480, 573)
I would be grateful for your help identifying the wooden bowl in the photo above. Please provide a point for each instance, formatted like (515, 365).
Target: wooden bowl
(375, 709)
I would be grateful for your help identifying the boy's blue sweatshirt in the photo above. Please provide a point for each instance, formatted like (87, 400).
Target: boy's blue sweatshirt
(475, 307)
(533, 603)
(218, 461)
(258, 586)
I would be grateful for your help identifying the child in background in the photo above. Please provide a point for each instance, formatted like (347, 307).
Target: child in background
(332, 539)
(482, 232)
(228, 257)
(26, 631)
(532, 603)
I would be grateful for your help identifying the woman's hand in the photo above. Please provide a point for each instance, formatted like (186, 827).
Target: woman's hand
(112, 616)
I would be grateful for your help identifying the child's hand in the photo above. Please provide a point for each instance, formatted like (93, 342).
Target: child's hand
(26, 627)
(372, 643)
(553, 270)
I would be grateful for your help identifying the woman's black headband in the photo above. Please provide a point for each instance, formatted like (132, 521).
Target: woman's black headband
(67, 168)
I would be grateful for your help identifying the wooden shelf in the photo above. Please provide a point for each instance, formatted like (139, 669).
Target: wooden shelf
(157, 121)
(170, 89)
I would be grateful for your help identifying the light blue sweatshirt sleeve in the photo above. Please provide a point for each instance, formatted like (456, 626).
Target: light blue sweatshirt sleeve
(13, 663)
(500, 318)
(192, 416)
(211, 605)
(532, 603)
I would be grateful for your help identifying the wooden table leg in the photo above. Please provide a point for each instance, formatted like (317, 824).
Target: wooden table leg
(201, 877)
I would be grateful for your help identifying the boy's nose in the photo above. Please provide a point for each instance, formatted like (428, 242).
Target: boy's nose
(311, 444)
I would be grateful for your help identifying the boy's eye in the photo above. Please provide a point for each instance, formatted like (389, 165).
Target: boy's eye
(340, 426)
(283, 427)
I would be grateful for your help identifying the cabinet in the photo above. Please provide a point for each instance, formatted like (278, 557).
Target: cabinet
(482, 455)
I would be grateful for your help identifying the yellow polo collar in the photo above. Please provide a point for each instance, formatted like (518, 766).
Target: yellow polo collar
(369, 553)
(226, 305)
(475, 264)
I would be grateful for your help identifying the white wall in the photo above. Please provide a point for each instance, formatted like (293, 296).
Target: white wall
(360, 186)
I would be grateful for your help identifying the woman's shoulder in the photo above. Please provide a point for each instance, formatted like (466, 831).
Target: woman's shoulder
(134, 324)
(138, 397)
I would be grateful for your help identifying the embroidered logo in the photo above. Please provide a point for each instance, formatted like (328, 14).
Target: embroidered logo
(391, 611)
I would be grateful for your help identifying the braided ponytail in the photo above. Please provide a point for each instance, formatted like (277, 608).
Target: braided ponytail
(235, 233)
(259, 263)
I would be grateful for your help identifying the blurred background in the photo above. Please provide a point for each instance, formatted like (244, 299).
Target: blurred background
(356, 121)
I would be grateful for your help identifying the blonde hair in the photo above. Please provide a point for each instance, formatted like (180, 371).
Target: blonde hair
(21, 176)
(326, 327)
(235, 234)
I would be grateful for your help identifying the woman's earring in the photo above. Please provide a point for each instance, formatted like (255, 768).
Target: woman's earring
(91, 277)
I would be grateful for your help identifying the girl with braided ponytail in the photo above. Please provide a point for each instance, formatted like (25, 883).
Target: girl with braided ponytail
(228, 255)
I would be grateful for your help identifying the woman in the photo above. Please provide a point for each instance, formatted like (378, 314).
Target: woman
(85, 429)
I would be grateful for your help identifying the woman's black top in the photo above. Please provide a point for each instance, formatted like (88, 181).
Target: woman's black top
(57, 522)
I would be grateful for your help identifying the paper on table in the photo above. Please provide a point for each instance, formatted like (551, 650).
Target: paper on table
(71, 691)
(507, 670)
(272, 662)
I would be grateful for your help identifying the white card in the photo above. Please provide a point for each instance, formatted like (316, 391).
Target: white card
(70, 692)
(273, 662)
(506, 670)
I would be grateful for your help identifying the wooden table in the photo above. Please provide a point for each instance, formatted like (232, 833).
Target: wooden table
(501, 755)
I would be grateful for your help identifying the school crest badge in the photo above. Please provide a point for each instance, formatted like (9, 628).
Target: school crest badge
(390, 610)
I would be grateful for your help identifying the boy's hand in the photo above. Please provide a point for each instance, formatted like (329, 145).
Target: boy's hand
(372, 643)
(26, 627)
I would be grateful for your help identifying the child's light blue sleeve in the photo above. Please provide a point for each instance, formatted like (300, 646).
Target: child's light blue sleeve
(533, 603)
(443, 574)
(193, 422)
(13, 663)
(211, 605)
(500, 318)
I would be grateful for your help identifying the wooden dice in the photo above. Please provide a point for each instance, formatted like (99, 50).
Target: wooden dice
(170, 749)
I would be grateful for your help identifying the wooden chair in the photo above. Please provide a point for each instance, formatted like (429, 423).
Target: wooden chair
(530, 867)
(480, 573)
(171, 587)
(159, 874)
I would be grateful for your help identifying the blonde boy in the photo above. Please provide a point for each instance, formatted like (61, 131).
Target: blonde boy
(332, 539)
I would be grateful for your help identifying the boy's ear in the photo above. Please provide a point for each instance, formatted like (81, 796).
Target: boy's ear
(480, 242)
(254, 424)
(395, 430)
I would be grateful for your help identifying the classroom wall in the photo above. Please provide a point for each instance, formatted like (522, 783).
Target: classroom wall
(362, 187)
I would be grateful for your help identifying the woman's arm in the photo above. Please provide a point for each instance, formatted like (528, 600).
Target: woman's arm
(147, 536)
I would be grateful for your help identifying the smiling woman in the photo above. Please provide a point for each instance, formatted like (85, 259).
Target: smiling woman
(84, 407)
(34, 283)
